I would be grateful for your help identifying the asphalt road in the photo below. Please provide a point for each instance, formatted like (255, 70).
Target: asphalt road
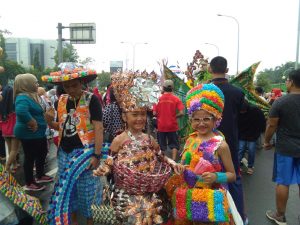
(258, 188)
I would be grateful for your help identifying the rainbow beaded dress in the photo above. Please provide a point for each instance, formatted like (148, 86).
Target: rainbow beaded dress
(193, 201)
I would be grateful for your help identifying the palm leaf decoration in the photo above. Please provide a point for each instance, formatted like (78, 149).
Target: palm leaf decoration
(245, 81)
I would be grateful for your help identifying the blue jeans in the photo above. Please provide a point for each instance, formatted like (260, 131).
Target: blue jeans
(251, 146)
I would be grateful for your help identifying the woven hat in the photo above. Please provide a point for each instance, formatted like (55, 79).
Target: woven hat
(134, 90)
(70, 71)
(207, 97)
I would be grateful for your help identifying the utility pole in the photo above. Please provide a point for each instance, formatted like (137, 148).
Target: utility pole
(59, 43)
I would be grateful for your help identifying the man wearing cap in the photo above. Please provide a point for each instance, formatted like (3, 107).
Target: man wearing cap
(79, 122)
(167, 110)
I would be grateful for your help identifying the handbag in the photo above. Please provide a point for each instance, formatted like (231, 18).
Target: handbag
(8, 125)
(201, 205)
(104, 213)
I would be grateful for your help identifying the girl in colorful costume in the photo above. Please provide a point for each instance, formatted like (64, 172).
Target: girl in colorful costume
(139, 168)
(199, 195)
(79, 122)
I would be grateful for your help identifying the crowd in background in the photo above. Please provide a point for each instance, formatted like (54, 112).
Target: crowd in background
(24, 102)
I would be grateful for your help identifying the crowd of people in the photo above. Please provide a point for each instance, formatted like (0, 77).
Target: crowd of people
(154, 179)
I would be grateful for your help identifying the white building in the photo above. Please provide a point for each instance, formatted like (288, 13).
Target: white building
(22, 50)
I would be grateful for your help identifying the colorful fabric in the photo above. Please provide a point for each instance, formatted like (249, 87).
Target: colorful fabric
(193, 200)
(166, 109)
(200, 157)
(84, 126)
(207, 97)
(201, 205)
(10, 188)
(75, 187)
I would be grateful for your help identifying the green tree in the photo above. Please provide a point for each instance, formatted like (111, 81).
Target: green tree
(12, 69)
(103, 80)
(69, 54)
(268, 77)
(36, 60)
(263, 81)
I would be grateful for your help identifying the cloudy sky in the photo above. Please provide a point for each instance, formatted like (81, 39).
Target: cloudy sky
(173, 29)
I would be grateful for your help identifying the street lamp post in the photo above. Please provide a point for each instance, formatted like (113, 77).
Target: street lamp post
(133, 45)
(238, 40)
(298, 36)
(214, 46)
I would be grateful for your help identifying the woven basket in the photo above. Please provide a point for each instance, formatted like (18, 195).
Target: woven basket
(139, 183)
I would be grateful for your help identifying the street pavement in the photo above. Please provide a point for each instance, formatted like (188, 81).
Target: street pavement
(258, 188)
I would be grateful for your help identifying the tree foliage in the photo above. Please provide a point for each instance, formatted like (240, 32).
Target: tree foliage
(12, 69)
(36, 60)
(267, 77)
(69, 54)
(103, 80)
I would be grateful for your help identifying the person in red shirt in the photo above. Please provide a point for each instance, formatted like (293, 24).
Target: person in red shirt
(167, 110)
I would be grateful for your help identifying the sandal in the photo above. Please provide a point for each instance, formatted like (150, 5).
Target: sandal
(250, 171)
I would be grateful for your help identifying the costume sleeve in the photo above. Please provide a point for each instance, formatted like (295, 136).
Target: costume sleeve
(22, 109)
(95, 109)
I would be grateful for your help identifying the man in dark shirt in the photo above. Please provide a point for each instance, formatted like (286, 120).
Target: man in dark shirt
(251, 124)
(284, 119)
(234, 103)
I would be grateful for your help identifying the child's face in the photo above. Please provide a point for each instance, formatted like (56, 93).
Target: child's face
(136, 120)
(203, 122)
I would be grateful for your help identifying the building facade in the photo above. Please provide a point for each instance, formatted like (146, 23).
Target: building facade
(23, 51)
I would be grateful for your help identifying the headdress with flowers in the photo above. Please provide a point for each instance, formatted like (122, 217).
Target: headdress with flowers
(135, 90)
(70, 71)
(207, 97)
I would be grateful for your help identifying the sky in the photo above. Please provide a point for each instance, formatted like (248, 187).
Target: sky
(173, 29)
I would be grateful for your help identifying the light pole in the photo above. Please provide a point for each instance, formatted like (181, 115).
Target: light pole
(214, 46)
(238, 40)
(298, 36)
(133, 45)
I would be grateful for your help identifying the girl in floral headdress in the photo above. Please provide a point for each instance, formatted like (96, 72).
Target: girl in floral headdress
(200, 196)
(136, 157)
